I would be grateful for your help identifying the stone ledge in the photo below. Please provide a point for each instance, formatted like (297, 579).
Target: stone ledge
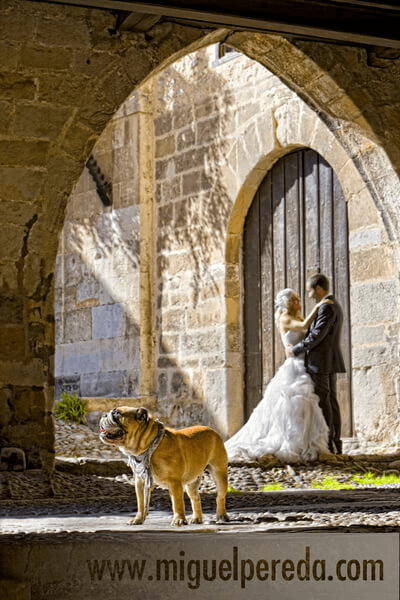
(106, 404)
(93, 466)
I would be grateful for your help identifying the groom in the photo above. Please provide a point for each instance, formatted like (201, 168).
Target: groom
(323, 357)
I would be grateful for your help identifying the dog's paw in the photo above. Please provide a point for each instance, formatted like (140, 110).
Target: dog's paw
(178, 521)
(196, 520)
(138, 520)
(222, 518)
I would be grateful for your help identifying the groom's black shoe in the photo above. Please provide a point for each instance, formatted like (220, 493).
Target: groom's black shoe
(338, 446)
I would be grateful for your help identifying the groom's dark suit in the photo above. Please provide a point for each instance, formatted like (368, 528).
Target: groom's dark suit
(323, 359)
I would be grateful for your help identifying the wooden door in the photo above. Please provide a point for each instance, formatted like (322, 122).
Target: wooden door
(296, 226)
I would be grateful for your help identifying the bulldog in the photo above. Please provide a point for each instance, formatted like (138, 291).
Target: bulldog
(173, 459)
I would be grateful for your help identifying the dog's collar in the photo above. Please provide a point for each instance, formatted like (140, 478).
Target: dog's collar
(141, 465)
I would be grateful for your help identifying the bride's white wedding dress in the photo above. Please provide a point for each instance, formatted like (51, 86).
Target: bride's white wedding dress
(288, 421)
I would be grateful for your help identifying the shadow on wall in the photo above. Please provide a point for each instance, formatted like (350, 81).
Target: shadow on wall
(97, 331)
(194, 205)
(98, 350)
(195, 116)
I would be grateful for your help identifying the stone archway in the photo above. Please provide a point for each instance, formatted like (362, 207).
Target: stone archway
(295, 126)
(297, 225)
(62, 77)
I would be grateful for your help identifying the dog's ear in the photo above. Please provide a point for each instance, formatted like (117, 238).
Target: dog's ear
(142, 414)
(115, 416)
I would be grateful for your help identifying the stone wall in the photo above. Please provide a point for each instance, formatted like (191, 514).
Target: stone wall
(218, 127)
(63, 74)
(98, 272)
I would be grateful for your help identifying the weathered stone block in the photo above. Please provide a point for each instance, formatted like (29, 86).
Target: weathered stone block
(206, 315)
(73, 32)
(19, 87)
(169, 344)
(6, 111)
(180, 384)
(368, 335)
(11, 309)
(39, 57)
(107, 321)
(207, 131)
(365, 237)
(189, 160)
(88, 290)
(12, 342)
(165, 216)
(120, 353)
(163, 124)
(6, 412)
(170, 189)
(368, 356)
(373, 263)
(247, 112)
(185, 139)
(77, 326)
(204, 108)
(77, 140)
(15, 590)
(182, 117)
(72, 359)
(12, 459)
(8, 276)
(113, 384)
(40, 121)
(374, 302)
(23, 153)
(164, 168)
(173, 320)
(70, 385)
(165, 146)
(211, 341)
(252, 143)
(191, 183)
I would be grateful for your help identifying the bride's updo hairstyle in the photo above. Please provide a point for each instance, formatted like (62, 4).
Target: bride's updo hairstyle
(282, 301)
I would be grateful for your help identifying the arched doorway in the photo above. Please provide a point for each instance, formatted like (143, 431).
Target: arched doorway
(296, 226)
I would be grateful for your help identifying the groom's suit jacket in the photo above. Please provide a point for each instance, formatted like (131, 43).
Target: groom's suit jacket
(322, 342)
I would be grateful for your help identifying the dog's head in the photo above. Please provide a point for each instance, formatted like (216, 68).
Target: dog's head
(121, 423)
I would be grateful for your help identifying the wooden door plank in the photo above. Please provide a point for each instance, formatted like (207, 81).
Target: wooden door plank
(252, 316)
(326, 242)
(267, 327)
(311, 219)
(292, 222)
(279, 246)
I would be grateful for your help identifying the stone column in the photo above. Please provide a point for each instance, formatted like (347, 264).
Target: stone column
(146, 195)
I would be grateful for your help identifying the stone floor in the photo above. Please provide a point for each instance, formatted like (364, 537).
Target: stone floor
(92, 479)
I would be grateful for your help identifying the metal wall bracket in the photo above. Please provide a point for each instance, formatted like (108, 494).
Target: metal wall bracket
(103, 187)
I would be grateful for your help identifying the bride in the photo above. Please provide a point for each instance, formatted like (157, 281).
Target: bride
(288, 421)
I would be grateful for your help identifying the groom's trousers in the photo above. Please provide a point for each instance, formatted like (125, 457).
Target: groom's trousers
(325, 388)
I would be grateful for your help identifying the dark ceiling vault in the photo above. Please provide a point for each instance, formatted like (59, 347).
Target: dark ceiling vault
(361, 22)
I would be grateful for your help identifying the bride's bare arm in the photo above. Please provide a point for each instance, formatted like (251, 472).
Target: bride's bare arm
(288, 323)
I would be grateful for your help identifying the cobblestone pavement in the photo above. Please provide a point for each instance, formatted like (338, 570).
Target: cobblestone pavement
(97, 481)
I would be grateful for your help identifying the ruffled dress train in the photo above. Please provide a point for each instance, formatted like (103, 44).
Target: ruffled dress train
(288, 422)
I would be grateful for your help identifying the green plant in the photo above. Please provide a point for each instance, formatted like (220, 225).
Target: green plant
(372, 479)
(232, 490)
(71, 408)
(272, 487)
(331, 483)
